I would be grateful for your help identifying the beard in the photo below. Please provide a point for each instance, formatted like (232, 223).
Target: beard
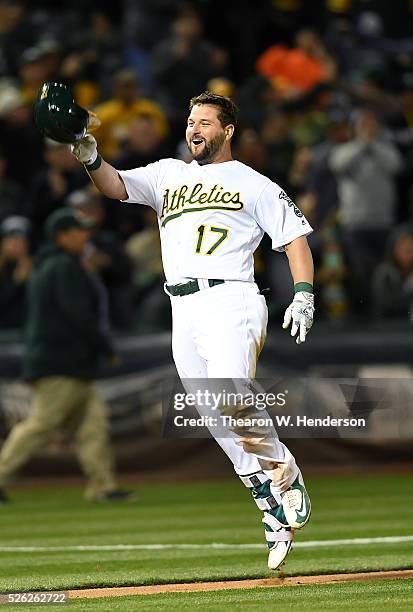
(209, 150)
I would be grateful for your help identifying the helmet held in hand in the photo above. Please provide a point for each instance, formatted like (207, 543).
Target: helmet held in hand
(58, 116)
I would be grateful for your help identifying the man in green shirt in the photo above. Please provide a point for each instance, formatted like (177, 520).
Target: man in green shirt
(65, 340)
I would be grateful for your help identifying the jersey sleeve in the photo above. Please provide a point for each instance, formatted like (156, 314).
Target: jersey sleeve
(141, 184)
(279, 217)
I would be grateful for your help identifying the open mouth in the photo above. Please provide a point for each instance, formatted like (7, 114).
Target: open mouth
(197, 141)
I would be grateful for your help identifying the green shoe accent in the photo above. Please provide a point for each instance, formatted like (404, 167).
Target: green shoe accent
(263, 492)
(279, 514)
(296, 504)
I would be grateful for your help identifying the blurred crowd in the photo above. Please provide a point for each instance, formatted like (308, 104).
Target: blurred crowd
(326, 110)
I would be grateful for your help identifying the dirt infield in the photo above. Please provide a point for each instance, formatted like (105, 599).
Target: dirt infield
(237, 584)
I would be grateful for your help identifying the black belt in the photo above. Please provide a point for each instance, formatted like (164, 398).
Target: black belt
(191, 286)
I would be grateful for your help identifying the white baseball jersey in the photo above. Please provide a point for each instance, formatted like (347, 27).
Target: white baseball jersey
(212, 217)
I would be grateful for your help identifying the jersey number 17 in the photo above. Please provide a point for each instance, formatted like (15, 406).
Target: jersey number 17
(204, 230)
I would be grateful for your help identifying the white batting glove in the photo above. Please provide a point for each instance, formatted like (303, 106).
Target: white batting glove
(301, 313)
(85, 150)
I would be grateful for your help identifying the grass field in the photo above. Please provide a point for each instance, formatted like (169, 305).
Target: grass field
(364, 597)
(54, 521)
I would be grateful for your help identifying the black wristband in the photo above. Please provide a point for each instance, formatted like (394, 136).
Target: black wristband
(95, 165)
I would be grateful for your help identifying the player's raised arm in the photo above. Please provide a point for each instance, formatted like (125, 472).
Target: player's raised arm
(300, 312)
(105, 177)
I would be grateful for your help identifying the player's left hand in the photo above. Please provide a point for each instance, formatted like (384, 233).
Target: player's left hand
(301, 313)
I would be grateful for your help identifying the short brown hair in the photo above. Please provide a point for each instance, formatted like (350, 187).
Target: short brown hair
(228, 110)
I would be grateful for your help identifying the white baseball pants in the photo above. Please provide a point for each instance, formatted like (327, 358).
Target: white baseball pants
(218, 332)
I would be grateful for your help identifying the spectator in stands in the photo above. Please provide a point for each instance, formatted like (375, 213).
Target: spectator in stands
(310, 43)
(144, 144)
(280, 147)
(392, 286)
(35, 69)
(221, 86)
(183, 63)
(105, 256)
(319, 199)
(64, 342)
(51, 54)
(51, 186)
(257, 101)
(293, 72)
(15, 269)
(95, 55)
(18, 133)
(118, 113)
(366, 169)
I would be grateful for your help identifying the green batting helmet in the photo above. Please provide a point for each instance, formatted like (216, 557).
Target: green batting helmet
(58, 116)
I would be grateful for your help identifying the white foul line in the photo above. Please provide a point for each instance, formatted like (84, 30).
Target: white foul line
(212, 546)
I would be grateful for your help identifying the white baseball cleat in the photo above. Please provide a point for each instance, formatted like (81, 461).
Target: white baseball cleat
(279, 539)
(296, 504)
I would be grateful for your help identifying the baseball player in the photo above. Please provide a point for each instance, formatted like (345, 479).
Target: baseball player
(212, 215)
